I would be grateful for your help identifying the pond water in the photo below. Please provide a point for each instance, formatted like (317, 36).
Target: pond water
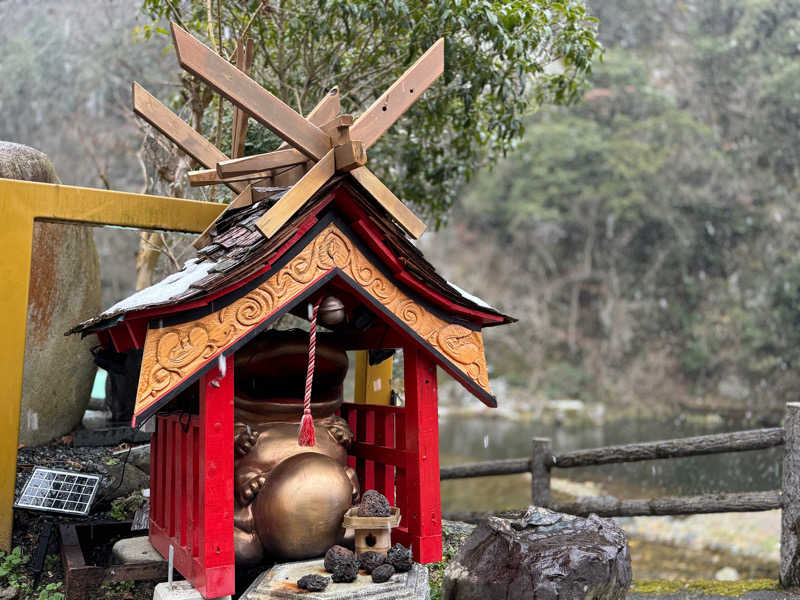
(476, 438)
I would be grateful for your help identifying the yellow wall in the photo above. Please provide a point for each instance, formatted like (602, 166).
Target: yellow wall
(22, 202)
(373, 382)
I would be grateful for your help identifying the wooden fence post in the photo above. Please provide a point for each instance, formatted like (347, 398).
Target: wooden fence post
(790, 488)
(541, 460)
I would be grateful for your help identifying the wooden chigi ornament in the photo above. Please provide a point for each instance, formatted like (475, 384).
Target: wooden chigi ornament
(255, 455)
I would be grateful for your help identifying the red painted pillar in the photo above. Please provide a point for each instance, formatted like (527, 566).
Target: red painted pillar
(216, 572)
(422, 445)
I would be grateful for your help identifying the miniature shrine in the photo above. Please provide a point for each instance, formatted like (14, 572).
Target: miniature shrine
(255, 454)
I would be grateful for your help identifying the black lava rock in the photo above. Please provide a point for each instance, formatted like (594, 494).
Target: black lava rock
(336, 555)
(345, 570)
(374, 504)
(400, 558)
(313, 583)
(382, 573)
(369, 560)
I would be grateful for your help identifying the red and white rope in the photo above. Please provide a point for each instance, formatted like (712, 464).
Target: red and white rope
(306, 436)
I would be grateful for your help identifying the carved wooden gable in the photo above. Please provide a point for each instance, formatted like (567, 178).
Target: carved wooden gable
(179, 349)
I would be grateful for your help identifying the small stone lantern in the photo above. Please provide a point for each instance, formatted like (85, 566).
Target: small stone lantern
(372, 534)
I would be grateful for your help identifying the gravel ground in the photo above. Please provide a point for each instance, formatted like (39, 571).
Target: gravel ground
(28, 524)
(756, 534)
(57, 455)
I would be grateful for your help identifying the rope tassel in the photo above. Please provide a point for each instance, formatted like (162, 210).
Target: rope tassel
(306, 435)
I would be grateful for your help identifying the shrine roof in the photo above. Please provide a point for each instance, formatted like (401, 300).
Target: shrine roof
(238, 250)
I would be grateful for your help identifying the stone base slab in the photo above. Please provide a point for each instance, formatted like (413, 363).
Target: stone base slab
(280, 582)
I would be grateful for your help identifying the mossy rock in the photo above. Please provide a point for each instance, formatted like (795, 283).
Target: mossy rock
(703, 587)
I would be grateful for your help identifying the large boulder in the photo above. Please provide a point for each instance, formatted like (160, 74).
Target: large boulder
(543, 555)
(64, 290)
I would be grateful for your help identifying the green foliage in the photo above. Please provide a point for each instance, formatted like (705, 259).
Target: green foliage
(51, 592)
(618, 169)
(118, 588)
(12, 567)
(625, 200)
(696, 357)
(125, 508)
(566, 381)
(496, 63)
(119, 512)
(654, 223)
(52, 562)
(702, 586)
(451, 542)
(779, 108)
(14, 575)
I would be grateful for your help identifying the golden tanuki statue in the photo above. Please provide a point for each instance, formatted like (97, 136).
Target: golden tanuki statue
(290, 499)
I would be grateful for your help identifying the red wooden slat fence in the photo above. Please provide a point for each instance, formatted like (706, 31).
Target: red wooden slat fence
(191, 505)
(376, 456)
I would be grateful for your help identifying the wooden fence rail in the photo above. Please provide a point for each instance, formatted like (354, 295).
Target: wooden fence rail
(737, 441)
(510, 466)
(543, 460)
(684, 505)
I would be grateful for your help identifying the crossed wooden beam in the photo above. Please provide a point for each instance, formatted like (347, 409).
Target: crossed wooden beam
(314, 147)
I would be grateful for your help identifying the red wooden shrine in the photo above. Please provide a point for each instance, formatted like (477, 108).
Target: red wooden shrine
(275, 249)
(396, 448)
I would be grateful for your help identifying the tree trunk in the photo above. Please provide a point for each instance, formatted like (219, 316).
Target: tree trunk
(147, 258)
(165, 170)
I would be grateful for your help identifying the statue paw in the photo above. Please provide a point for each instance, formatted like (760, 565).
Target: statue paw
(247, 546)
(353, 477)
(249, 490)
(339, 429)
(244, 443)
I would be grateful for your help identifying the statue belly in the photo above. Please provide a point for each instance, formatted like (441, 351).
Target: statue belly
(297, 511)
(298, 514)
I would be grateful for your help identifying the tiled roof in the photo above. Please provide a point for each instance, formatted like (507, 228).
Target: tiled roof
(238, 249)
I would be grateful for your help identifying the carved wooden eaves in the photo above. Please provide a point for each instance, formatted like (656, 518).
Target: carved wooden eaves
(174, 354)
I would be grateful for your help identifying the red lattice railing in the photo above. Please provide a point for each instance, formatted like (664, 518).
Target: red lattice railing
(378, 452)
(191, 488)
(396, 451)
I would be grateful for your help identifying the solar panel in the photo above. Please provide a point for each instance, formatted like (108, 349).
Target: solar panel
(59, 491)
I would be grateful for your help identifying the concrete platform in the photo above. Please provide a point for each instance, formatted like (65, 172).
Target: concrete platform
(280, 582)
(179, 590)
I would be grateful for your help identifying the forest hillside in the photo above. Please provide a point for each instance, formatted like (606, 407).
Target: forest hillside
(646, 237)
